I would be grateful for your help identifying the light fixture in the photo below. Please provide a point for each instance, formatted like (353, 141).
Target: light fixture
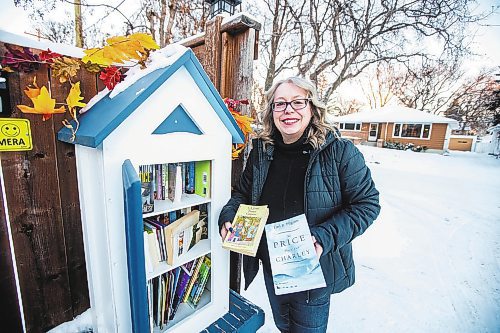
(222, 6)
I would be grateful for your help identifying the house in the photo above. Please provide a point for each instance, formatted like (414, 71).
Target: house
(170, 113)
(398, 124)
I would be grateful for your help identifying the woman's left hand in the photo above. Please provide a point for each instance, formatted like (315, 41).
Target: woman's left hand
(317, 247)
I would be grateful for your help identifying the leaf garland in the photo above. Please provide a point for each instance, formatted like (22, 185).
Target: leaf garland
(244, 123)
(20, 60)
(119, 50)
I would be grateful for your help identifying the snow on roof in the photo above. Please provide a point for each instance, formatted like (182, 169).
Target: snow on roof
(395, 114)
(159, 59)
(68, 50)
(494, 128)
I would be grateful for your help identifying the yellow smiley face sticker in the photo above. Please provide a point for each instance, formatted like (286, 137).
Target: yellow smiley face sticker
(10, 130)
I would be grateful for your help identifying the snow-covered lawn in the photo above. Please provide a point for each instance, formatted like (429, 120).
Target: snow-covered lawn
(431, 261)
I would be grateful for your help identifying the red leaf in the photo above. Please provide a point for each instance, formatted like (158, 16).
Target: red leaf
(48, 56)
(111, 76)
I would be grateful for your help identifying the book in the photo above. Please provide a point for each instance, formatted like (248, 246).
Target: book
(178, 235)
(147, 192)
(294, 263)
(205, 275)
(194, 277)
(248, 226)
(202, 178)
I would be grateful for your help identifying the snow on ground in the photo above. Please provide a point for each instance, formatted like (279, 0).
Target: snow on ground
(431, 261)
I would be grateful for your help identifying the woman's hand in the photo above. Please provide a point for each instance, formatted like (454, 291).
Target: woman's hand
(224, 230)
(317, 247)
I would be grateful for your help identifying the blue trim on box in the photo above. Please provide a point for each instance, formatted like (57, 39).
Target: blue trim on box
(242, 317)
(178, 121)
(107, 114)
(135, 248)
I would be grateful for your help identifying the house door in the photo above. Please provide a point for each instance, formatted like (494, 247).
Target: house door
(373, 133)
(135, 248)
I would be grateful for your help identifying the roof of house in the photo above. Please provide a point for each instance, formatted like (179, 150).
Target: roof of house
(108, 112)
(395, 114)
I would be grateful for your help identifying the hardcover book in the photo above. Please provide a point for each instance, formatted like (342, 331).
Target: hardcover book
(202, 178)
(248, 226)
(294, 263)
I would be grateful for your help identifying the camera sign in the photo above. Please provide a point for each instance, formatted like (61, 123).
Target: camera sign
(15, 134)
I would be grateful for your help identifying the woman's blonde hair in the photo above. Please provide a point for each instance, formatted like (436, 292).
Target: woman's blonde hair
(318, 127)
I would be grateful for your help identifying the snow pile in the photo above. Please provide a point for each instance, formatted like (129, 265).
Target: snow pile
(81, 323)
(431, 261)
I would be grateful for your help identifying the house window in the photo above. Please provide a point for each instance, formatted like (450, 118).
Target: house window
(350, 126)
(417, 131)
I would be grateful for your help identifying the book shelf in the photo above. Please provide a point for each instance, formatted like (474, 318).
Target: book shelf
(174, 295)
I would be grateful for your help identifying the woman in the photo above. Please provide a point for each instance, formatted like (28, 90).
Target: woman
(299, 164)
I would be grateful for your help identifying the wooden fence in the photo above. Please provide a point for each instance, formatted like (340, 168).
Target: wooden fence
(39, 202)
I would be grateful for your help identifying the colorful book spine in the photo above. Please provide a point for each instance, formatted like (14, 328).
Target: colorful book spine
(202, 178)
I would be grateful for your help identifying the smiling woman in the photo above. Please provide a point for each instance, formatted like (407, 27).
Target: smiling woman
(299, 165)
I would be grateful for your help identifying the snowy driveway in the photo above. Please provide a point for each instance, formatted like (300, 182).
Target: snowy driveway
(431, 261)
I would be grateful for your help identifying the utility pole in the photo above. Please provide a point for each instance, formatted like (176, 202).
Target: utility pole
(78, 24)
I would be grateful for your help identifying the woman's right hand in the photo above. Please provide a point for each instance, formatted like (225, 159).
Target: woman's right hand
(224, 229)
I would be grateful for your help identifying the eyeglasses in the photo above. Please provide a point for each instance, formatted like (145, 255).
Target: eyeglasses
(296, 104)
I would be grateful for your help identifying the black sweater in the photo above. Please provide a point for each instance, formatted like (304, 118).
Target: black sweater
(283, 190)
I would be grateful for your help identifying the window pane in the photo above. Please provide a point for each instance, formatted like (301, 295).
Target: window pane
(411, 130)
(358, 127)
(349, 126)
(341, 125)
(427, 131)
(397, 129)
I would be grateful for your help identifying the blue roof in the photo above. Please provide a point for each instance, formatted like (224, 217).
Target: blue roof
(107, 114)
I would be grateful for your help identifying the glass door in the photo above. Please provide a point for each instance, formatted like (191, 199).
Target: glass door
(373, 133)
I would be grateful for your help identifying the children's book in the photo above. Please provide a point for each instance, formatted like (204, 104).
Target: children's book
(294, 263)
(179, 234)
(247, 228)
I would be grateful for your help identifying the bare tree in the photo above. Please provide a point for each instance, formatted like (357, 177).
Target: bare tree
(473, 104)
(426, 84)
(378, 89)
(342, 38)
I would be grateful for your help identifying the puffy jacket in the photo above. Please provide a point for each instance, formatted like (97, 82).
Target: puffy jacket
(340, 203)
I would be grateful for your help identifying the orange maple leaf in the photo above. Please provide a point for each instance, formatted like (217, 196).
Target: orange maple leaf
(42, 104)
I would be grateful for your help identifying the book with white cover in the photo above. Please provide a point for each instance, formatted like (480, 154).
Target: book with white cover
(294, 263)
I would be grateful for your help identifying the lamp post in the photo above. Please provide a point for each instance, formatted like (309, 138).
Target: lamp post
(220, 6)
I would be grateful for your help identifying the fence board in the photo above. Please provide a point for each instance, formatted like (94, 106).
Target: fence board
(10, 316)
(35, 214)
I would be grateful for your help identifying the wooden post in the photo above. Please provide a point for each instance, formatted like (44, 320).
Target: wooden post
(238, 54)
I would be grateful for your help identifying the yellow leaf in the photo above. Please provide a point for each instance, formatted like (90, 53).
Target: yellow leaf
(96, 56)
(43, 104)
(74, 97)
(146, 40)
(121, 49)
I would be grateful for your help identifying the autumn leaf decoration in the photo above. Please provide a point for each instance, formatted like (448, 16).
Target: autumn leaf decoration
(42, 102)
(243, 122)
(73, 101)
(127, 50)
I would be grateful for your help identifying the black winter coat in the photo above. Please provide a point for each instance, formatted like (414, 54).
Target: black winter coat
(340, 203)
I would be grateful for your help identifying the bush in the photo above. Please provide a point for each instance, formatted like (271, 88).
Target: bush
(404, 146)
